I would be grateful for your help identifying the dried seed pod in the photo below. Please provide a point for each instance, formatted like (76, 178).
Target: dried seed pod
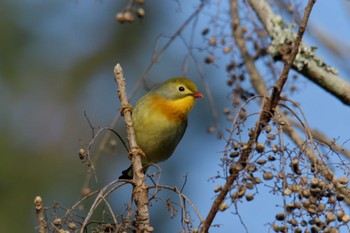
(129, 17)
(331, 230)
(287, 192)
(223, 206)
(260, 147)
(63, 231)
(239, 167)
(298, 205)
(268, 128)
(293, 222)
(295, 188)
(250, 177)
(303, 223)
(298, 230)
(209, 59)
(212, 41)
(249, 185)
(234, 196)
(271, 136)
(314, 182)
(205, 31)
(306, 193)
(257, 180)
(227, 49)
(242, 114)
(280, 217)
(271, 158)
(120, 17)
(249, 197)
(229, 82)
(281, 175)
(275, 148)
(315, 191)
(268, 176)
(322, 184)
(235, 145)
(211, 129)
(140, 12)
(331, 199)
(345, 218)
(57, 222)
(295, 166)
(245, 146)
(261, 161)
(329, 176)
(277, 228)
(321, 207)
(313, 200)
(81, 153)
(315, 229)
(343, 180)
(312, 221)
(330, 217)
(217, 188)
(312, 209)
(139, 1)
(340, 197)
(234, 154)
(251, 168)
(290, 207)
(306, 204)
(72, 226)
(241, 191)
(340, 214)
(227, 111)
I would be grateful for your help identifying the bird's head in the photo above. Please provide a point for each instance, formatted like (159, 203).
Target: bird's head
(176, 97)
(178, 88)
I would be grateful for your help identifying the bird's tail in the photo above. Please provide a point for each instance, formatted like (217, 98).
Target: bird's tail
(127, 174)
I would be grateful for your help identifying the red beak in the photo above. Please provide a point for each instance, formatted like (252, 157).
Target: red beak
(197, 95)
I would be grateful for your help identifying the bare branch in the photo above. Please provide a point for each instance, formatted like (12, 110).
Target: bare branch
(267, 112)
(306, 62)
(140, 191)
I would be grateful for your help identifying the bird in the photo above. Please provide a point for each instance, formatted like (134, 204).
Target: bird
(160, 120)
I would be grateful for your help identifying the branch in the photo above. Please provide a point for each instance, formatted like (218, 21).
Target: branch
(268, 109)
(306, 63)
(140, 191)
(38, 203)
(312, 69)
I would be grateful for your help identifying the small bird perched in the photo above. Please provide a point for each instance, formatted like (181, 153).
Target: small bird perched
(160, 120)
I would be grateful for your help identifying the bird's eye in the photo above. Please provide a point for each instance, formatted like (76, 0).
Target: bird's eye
(181, 88)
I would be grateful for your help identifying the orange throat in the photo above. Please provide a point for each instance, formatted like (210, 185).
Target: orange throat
(174, 110)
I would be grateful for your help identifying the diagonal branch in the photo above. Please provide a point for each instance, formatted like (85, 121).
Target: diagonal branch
(268, 108)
